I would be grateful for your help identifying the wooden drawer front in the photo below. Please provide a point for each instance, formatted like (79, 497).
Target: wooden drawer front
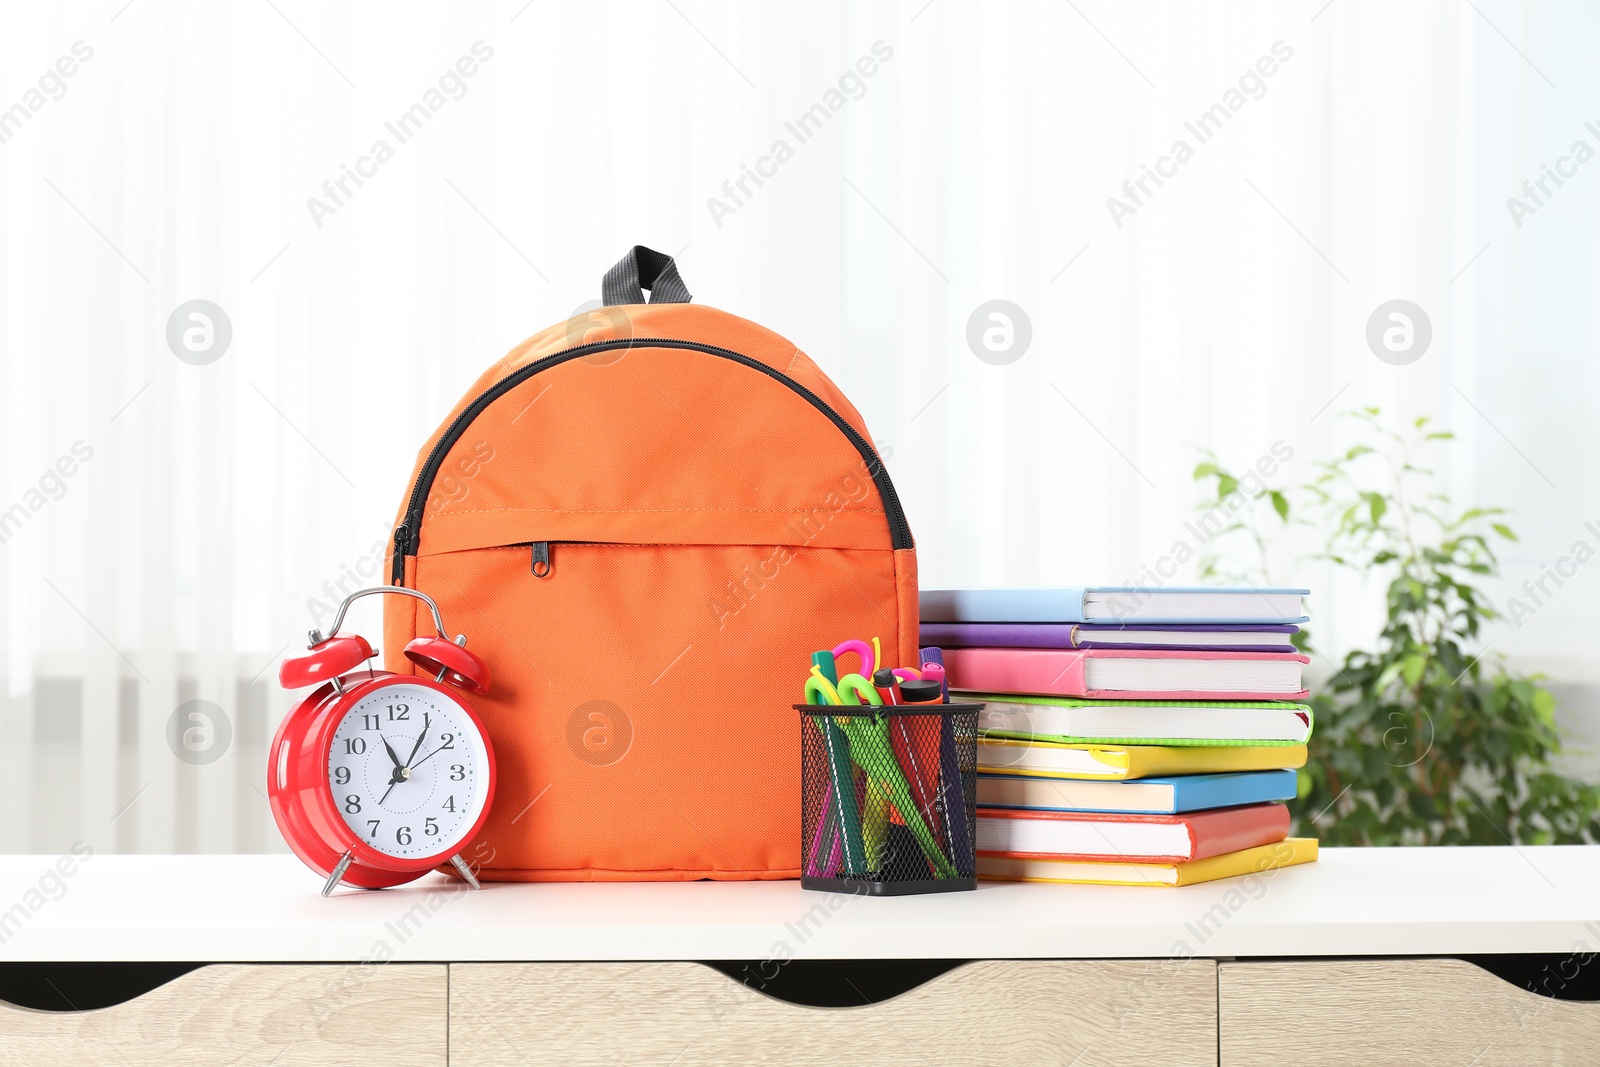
(1010, 1013)
(1370, 1013)
(289, 1015)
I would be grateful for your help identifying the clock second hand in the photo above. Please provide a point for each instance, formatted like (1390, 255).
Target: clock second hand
(394, 780)
(430, 755)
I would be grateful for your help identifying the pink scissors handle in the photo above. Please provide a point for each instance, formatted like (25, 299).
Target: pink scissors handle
(863, 652)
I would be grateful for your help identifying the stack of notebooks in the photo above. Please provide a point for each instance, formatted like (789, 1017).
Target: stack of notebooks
(1130, 736)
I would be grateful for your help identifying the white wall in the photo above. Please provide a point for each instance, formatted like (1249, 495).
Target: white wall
(976, 164)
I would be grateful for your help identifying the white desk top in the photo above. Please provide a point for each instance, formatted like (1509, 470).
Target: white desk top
(1391, 902)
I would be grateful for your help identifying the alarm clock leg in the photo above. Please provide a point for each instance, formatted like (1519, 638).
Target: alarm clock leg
(465, 871)
(338, 873)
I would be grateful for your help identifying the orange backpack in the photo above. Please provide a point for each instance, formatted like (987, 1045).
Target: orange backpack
(646, 519)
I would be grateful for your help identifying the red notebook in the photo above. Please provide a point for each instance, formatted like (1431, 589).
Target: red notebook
(1128, 673)
(1105, 836)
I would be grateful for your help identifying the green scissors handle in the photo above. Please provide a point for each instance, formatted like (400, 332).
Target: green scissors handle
(854, 685)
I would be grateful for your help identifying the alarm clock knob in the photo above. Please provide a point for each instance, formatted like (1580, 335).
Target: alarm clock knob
(325, 662)
(449, 661)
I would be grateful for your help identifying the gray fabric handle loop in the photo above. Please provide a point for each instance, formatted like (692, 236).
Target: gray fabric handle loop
(644, 268)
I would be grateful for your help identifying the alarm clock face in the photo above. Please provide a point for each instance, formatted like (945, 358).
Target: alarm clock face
(408, 771)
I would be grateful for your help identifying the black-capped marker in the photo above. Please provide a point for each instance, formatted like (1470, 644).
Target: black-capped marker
(921, 691)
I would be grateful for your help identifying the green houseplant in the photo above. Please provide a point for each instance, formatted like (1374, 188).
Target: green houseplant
(1422, 737)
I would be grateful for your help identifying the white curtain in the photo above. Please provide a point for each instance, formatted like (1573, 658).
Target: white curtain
(935, 155)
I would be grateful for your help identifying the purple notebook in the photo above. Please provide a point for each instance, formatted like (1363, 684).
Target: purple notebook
(1222, 636)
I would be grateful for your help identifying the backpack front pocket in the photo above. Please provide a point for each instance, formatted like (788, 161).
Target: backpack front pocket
(640, 711)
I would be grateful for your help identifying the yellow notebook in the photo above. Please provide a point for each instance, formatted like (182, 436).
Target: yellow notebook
(1047, 759)
(1285, 853)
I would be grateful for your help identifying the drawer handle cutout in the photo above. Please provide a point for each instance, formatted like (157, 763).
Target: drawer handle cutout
(1571, 976)
(833, 983)
(68, 987)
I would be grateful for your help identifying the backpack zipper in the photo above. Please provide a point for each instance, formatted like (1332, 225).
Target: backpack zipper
(408, 535)
(541, 562)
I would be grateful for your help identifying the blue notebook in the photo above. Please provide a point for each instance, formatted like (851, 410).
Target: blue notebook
(1148, 796)
(1127, 604)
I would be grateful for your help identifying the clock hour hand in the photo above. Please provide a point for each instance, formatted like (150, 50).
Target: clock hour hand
(401, 771)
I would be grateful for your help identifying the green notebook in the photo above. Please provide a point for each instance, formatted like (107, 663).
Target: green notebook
(1073, 721)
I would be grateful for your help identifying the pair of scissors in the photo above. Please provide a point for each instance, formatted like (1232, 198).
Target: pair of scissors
(873, 827)
(841, 779)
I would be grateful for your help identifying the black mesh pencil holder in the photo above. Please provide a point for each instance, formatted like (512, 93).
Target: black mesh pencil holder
(888, 797)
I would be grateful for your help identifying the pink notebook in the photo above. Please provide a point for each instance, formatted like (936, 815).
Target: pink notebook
(1121, 674)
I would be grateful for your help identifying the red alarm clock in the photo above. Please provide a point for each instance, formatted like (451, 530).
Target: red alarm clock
(376, 778)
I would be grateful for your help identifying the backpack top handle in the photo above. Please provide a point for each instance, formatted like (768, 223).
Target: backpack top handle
(643, 268)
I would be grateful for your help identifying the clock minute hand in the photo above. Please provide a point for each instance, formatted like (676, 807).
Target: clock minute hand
(418, 745)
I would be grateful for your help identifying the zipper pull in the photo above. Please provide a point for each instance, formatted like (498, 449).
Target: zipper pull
(398, 571)
(541, 559)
